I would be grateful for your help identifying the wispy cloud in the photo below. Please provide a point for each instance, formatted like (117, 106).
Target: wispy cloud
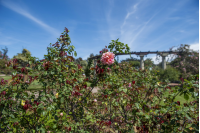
(134, 8)
(18, 9)
(142, 28)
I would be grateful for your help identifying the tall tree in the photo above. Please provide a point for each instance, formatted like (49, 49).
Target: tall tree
(22, 58)
(186, 52)
(83, 63)
(3, 55)
(78, 60)
(136, 62)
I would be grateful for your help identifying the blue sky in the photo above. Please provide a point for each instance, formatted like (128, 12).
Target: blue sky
(145, 25)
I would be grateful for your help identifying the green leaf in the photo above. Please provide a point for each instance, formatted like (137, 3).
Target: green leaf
(191, 89)
(15, 94)
(12, 116)
(186, 97)
(4, 112)
(172, 122)
(44, 113)
(56, 117)
(54, 126)
(75, 54)
(187, 116)
(62, 100)
(137, 105)
(147, 116)
(43, 98)
(125, 90)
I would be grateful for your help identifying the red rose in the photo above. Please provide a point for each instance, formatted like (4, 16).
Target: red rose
(68, 82)
(23, 69)
(168, 116)
(3, 93)
(178, 102)
(14, 67)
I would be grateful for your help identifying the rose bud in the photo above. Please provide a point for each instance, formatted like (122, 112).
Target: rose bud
(25, 107)
(3, 92)
(68, 82)
(61, 114)
(109, 123)
(161, 122)
(14, 67)
(168, 116)
(27, 102)
(185, 104)
(84, 86)
(133, 82)
(95, 100)
(178, 102)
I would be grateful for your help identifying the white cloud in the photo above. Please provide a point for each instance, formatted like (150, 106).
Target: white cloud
(18, 9)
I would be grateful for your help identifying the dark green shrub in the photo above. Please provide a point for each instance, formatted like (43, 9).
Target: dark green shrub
(169, 73)
(3, 68)
(2, 64)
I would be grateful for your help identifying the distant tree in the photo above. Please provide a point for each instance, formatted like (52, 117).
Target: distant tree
(3, 60)
(133, 61)
(78, 60)
(3, 55)
(22, 57)
(148, 62)
(83, 63)
(91, 55)
(136, 62)
(186, 52)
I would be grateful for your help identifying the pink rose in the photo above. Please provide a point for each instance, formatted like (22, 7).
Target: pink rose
(107, 58)
(61, 114)
(129, 85)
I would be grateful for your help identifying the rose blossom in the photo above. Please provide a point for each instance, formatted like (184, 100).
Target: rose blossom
(95, 100)
(129, 84)
(61, 114)
(107, 58)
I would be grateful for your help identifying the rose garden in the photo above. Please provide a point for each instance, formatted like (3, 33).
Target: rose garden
(141, 103)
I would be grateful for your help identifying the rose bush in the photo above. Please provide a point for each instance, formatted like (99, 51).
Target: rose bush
(191, 66)
(118, 105)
